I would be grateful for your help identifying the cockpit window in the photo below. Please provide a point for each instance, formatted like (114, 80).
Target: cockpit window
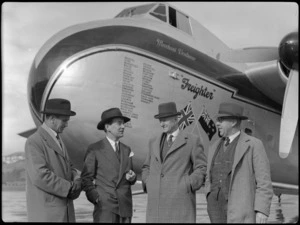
(135, 10)
(176, 18)
(179, 20)
(160, 13)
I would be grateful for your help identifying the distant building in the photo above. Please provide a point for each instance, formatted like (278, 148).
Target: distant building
(12, 158)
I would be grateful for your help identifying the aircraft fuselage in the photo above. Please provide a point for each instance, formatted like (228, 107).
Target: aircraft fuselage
(99, 66)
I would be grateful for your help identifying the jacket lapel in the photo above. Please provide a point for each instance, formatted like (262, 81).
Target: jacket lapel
(157, 148)
(50, 141)
(123, 162)
(241, 148)
(65, 150)
(179, 141)
(108, 152)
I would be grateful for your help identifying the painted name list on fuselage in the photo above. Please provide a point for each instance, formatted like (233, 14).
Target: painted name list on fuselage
(137, 80)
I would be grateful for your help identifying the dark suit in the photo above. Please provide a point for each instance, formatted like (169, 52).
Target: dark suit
(114, 191)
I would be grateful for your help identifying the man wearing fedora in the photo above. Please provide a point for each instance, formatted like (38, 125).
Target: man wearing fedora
(174, 169)
(52, 183)
(107, 173)
(238, 182)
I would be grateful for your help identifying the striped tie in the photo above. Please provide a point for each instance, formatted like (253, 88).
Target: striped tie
(227, 141)
(170, 140)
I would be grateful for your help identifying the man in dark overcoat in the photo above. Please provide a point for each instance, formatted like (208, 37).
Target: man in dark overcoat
(173, 171)
(107, 173)
(52, 183)
(238, 183)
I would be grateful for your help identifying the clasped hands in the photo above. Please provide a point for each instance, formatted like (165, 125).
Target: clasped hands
(75, 189)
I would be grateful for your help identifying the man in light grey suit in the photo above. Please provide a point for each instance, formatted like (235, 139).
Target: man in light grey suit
(52, 183)
(238, 182)
(108, 163)
(174, 169)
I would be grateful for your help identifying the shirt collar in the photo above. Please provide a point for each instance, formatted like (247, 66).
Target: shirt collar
(233, 136)
(175, 134)
(112, 142)
(49, 130)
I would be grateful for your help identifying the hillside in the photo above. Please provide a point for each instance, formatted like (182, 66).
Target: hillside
(13, 172)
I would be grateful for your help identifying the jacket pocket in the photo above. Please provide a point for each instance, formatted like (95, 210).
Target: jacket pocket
(52, 200)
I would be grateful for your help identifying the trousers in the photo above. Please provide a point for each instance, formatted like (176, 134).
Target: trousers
(102, 215)
(217, 206)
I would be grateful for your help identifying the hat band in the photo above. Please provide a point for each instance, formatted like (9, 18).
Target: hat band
(58, 112)
(167, 114)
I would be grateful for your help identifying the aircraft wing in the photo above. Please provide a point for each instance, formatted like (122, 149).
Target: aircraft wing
(27, 133)
(280, 188)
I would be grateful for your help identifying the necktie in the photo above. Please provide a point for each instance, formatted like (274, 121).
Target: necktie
(58, 139)
(227, 141)
(165, 149)
(170, 141)
(117, 150)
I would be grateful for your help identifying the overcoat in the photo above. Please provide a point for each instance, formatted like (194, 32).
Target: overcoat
(171, 183)
(102, 166)
(49, 173)
(250, 187)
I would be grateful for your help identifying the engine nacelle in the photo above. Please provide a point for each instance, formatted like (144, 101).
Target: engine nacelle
(288, 51)
(270, 79)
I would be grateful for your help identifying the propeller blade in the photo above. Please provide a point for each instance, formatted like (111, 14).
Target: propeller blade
(251, 55)
(289, 117)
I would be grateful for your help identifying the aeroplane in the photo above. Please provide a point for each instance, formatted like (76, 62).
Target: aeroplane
(154, 53)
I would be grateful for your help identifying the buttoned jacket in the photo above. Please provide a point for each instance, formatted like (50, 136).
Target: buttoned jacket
(171, 183)
(102, 166)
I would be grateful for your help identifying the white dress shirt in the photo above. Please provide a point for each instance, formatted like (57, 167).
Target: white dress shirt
(52, 133)
(175, 134)
(233, 136)
(112, 143)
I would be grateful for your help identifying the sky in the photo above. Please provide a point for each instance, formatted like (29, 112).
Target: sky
(27, 26)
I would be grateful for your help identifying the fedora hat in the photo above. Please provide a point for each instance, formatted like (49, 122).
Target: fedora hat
(231, 110)
(110, 114)
(58, 106)
(167, 110)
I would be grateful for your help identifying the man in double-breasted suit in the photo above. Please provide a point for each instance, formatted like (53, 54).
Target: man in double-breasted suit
(52, 183)
(108, 163)
(174, 169)
(238, 182)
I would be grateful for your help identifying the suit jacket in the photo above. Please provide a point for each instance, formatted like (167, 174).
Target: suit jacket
(171, 184)
(250, 187)
(48, 176)
(102, 166)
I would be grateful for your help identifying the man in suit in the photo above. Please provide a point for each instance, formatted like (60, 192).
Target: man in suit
(174, 169)
(52, 183)
(108, 162)
(238, 183)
